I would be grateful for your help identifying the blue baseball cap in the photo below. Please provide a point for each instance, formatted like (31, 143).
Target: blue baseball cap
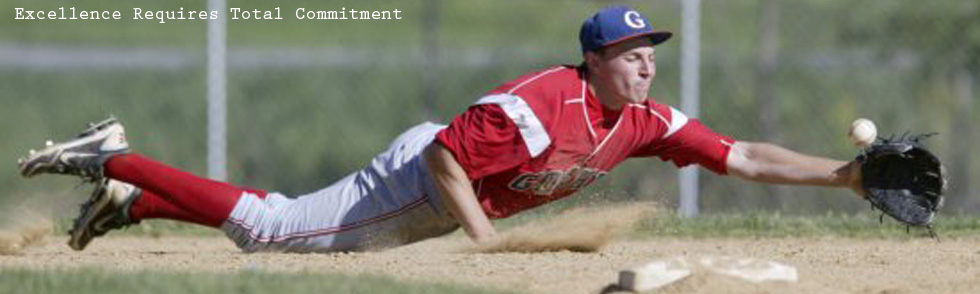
(615, 24)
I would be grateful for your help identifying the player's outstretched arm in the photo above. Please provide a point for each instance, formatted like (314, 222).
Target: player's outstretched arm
(457, 193)
(769, 163)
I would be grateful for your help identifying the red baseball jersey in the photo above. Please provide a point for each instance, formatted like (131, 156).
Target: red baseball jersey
(544, 136)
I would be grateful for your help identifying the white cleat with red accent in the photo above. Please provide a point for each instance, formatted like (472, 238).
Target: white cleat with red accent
(82, 156)
(107, 209)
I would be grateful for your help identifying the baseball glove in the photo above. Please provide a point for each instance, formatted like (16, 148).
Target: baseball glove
(903, 179)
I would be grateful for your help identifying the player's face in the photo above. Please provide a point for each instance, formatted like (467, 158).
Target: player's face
(624, 71)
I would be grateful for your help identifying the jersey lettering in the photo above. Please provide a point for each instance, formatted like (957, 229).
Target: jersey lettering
(545, 183)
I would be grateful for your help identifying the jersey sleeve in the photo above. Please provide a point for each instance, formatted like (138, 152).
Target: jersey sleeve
(694, 143)
(484, 140)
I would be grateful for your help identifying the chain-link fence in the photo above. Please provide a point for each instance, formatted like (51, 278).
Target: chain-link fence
(311, 100)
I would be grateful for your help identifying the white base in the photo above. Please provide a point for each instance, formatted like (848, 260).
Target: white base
(664, 272)
(654, 275)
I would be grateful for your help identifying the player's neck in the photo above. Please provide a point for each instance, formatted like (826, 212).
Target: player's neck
(604, 97)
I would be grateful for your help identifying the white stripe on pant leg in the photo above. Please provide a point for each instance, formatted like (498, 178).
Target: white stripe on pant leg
(340, 217)
(262, 229)
(256, 236)
(250, 216)
(267, 224)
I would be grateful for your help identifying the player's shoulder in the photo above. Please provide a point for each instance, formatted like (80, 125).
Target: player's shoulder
(651, 107)
(663, 116)
(563, 79)
(541, 94)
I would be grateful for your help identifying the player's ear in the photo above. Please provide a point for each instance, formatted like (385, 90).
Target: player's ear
(592, 60)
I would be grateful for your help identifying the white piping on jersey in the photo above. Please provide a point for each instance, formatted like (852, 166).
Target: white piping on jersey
(606, 139)
(579, 100)
(588, 122)
(535, 137)
(585, 112)
(677, 119)
(661, 117)
(534, 78)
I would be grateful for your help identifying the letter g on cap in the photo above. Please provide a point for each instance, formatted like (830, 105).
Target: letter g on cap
(633, 19)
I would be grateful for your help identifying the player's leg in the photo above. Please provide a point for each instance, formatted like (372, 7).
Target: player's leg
(114, 204)
(388, 203)
(167, 193)
(385, 203)
(170, 193)
(149, 205)
(208, 200)
(331, 220)
(102, 150)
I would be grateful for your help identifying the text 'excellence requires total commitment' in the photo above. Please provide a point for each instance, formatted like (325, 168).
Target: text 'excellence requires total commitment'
(235, 13)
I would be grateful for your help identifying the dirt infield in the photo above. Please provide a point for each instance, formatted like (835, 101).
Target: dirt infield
(824, 265)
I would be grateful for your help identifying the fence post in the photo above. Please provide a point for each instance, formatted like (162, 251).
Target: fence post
(690, 54)
(217, 102)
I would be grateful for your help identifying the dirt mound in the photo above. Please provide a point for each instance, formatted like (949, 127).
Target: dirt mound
(21, 227)
(824, 265)
(578, 230)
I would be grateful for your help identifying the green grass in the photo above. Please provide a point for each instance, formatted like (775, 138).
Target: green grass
(774, 225)
(97, 281)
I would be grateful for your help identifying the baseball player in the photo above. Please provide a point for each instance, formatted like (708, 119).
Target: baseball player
(530, 141)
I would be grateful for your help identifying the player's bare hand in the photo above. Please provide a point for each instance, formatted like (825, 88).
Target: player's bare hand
(484, 238)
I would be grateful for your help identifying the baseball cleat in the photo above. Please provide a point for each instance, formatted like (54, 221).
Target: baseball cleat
(95, 127)
(82, 156)
(107, 209)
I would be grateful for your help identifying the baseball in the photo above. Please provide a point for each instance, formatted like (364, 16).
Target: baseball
(863, 132)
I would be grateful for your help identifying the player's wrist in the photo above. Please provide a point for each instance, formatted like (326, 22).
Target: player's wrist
(483, 238)
(854, 178)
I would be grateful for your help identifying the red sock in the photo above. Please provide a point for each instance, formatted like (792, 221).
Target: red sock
(209, 202)
(150, 205)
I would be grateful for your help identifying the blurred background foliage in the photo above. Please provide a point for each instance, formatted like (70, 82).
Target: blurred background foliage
(312, 100)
